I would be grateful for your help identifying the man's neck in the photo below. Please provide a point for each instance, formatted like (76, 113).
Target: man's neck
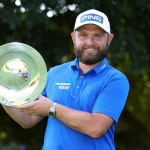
(85, 68)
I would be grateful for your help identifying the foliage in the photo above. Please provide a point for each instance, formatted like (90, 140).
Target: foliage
(46, 25)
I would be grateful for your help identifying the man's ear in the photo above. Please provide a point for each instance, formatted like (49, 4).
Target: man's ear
(73, 36)
(111, 36)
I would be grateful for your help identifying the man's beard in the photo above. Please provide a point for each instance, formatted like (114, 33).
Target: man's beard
(91, 58)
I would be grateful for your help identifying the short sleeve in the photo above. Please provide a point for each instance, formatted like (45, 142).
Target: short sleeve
(112, 98)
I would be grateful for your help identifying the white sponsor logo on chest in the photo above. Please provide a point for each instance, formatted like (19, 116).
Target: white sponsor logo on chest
(63, 86)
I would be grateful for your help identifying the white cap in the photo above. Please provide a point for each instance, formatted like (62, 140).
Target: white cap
(93, 16)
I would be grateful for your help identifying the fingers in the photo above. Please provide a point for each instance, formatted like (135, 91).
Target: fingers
(38, 107)
(28, 105)
(27, 108)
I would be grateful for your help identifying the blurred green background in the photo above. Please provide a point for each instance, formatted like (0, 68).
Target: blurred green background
(46, 25)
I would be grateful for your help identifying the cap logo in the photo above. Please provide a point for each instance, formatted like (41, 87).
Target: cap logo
(92, 17)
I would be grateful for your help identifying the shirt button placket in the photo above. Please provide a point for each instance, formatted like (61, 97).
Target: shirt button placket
(78, 86)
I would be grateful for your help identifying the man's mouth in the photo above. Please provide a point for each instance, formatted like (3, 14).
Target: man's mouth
(90, 49)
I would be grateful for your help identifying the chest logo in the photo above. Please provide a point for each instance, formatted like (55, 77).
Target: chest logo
(63, 86)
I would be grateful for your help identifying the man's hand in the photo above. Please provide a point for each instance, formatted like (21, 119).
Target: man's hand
(39, 107)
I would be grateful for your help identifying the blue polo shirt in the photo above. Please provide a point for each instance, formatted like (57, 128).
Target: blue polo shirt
(102, 89)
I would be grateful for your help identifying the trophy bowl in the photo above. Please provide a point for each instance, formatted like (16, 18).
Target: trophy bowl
(23, 74)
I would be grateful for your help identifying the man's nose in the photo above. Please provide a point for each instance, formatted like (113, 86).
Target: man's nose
(90, 41)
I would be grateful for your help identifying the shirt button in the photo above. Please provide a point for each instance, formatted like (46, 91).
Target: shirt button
(81, 76)
(78, 87)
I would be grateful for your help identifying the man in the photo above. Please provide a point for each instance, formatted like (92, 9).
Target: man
(83, 98)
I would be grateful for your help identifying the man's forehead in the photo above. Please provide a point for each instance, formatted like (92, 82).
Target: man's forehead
(90, 27)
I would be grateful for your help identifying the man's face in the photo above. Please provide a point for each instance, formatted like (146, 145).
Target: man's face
(91, 44)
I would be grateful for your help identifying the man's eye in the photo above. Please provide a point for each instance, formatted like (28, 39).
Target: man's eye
(98, 36)
(83, 35)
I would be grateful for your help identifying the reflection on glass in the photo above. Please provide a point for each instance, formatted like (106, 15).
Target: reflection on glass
(16, 82)
(23, 74)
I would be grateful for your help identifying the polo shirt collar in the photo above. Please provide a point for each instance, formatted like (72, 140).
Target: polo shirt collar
(74, 64)
(101, 67)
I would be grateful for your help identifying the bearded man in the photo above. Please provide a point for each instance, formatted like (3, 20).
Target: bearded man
(84, 98)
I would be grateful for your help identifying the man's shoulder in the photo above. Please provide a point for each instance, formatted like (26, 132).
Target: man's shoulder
(61, 67)
(115, 73)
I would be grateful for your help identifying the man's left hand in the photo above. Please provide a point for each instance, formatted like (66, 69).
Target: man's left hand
(39, 107)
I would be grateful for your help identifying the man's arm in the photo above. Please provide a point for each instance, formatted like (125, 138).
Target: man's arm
(22, 118)
(91, 124)
(94, 125)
